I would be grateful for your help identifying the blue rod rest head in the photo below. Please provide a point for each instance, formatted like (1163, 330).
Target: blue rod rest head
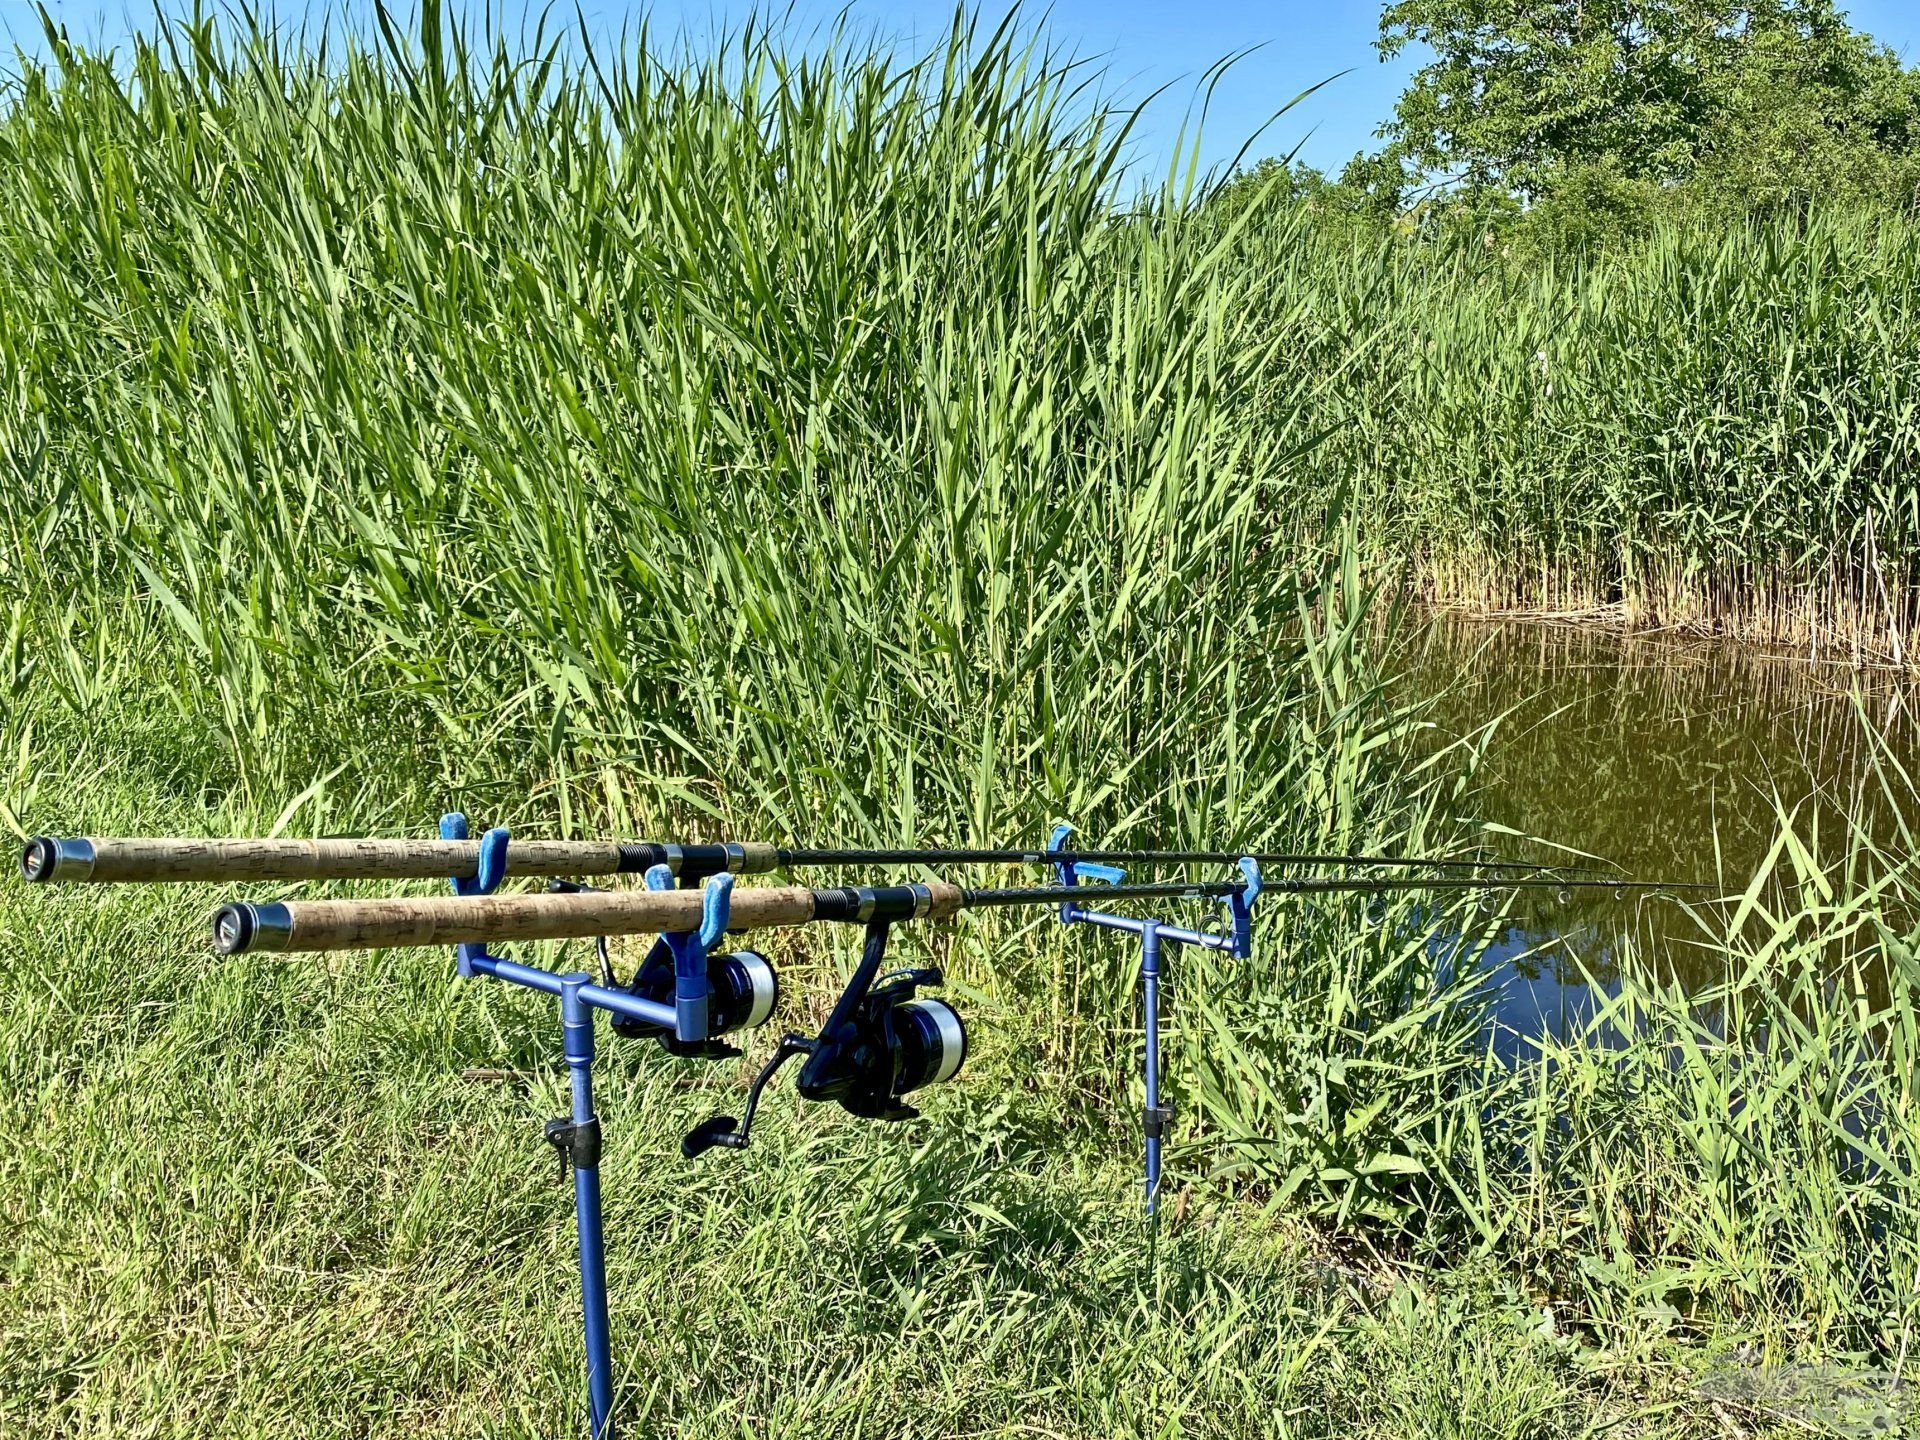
(1063, 868)
(1241, 907)
(691, 987)
(493, 861)
(492, 868)
(1072, 872)
(716, 909)
(1250, 868)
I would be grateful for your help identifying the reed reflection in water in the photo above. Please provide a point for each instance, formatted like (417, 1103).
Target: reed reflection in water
(1665, 757)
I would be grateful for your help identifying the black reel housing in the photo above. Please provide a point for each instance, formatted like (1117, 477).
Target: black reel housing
(745, 990)
(892, 1045)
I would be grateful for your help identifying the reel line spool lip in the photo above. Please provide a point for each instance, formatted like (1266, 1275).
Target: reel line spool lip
(952, 1031)
(765, 981)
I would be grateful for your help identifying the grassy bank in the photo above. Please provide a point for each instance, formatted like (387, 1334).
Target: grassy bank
(261, 1197)
(811, 449)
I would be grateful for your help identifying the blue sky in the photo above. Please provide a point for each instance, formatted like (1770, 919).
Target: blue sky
(1143, 46)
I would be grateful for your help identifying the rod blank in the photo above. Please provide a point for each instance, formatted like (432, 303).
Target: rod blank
(1150, 857)
(311, 925)
(1296, 885)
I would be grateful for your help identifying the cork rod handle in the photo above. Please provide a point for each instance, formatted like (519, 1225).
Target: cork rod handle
(49, 858)
(305, 925)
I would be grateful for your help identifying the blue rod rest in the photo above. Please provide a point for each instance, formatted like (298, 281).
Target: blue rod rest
(1240, 908)
(1072, 872)
(491, 870)
(1153, 935)
(690, 985)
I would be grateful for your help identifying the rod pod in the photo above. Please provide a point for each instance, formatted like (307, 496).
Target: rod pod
(1156, 1117)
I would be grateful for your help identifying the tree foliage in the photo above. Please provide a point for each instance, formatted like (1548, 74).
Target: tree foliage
(1773, 101)
(1560, 124)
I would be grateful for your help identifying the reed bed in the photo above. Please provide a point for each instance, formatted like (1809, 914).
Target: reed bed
(801, 441)
(1704, 431)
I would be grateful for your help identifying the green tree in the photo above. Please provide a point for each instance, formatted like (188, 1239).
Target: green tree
(1765, 101)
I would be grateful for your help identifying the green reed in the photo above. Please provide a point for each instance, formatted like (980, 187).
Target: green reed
(809, 443)
(1710, 430)
(753, 426)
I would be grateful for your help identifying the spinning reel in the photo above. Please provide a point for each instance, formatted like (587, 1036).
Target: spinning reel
(743, 987)
(881, 1042)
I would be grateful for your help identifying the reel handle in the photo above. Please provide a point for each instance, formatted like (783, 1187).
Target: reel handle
(725, 1129)
(714, 1130)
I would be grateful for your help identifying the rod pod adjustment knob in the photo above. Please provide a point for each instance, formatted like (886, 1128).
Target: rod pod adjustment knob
(576, 1142)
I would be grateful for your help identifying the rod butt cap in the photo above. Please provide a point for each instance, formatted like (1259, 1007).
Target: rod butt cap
(241, 927)
(46, 858)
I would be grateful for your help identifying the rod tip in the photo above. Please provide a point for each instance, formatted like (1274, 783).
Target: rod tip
(241, 927)
(46, 858)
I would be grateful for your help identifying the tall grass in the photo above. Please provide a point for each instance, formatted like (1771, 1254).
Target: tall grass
(746, 428)
(1745, 1155)
(797, 444)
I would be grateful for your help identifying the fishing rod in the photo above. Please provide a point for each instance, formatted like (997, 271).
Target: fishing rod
(102, 859)
(883, 1042)
(315, 925)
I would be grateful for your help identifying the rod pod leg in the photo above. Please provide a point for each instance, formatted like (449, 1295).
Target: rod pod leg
(1156, 1117)
(583, 1149)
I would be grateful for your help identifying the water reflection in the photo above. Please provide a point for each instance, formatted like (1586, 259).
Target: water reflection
(1664, 756)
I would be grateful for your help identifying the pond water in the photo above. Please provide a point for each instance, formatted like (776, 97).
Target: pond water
(1666, 757)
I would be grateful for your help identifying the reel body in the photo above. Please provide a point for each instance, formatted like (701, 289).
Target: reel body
(882, 1042)
(892, 1045)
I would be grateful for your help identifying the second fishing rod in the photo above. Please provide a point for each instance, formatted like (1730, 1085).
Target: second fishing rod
(48, 859)
(311, 925)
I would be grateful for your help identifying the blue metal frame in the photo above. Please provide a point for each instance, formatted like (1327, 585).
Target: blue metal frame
(1238, 942)
(579, 998)
(577, 1136)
